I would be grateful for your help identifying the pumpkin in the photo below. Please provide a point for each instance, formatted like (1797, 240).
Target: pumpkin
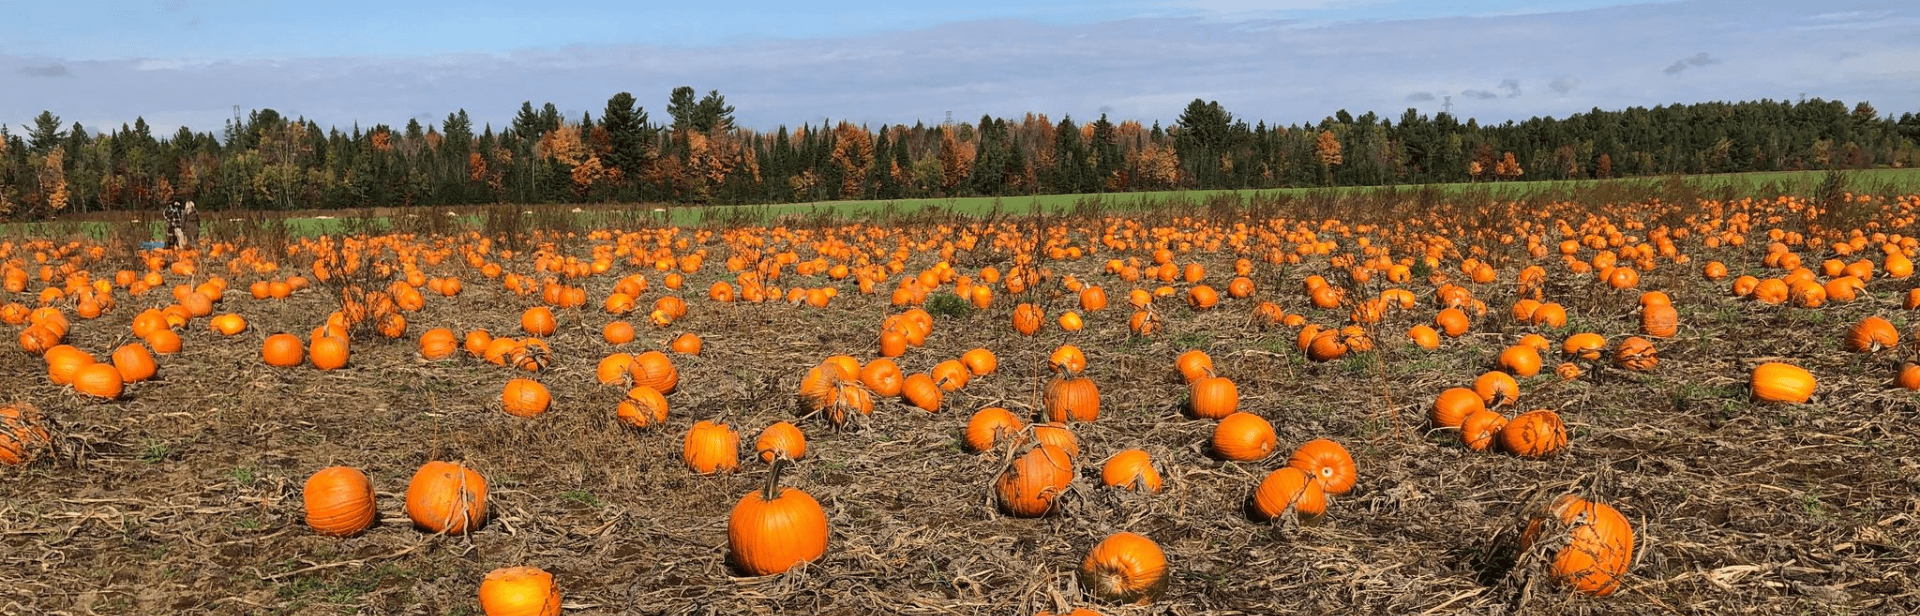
(163, 341)
(1551, 315)
(1243, 437)
(883, 377)
(1144, 323)
(1328, 463)
(1093, 299)
(1636, 353)
(1567, 371)
(1480, 430)
(654, 369)
(99, 380)
(780, 440)
(327, 352)
(1497, 389)
(617, 332)
(1778, 382)
(1872, 334)
(1067, 359)
(1027, 487)
(1909, 377)
(774, 529)
(228, 324)
(950, 375)
(525, 398)
(63, 361)
(1534, 434)
(445, 497)
(438, 343)
(476, 342)
(686, 344)
(1587, 346)
(1424, 337)
(711, 448)
(538, 321)
(1194, 365)
(893, 343)
(1057, 435)
(1598, 545)
(23, 434)
(339, 501)
(988, 426)
(1072, 399)
(980, 362)
(135, 363)
(1027, 318)
(1125, 568)
(1660, 320)
(1520, 360)
(643, 407)
(1202, 297)
(519, 591)
(920, 391)
(1286, 489)
(1452, 322)
(1132, 470)
(1213, 397)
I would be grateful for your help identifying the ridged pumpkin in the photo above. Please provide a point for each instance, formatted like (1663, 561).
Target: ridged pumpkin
(1481, 429)
(1125, 568)
(920, 391)
(444, 497)
(1598, 545)
(643, 407)
(1213, 397)
(989, 426)
(883, 377)
(519, 591)
(1328, 463)
(1193, 365)
(1028, 486)
(711, 448)
(438, 343)
(1534, 434)
(1871, 335)
(327, 352)
(1243, 437)
(654, 369)
(771, 530)
(781, 439)
(339, 501)
(1284, 489)
(1073, 399)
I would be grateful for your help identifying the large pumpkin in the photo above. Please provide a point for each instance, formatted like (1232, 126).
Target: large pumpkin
(1125, 568)
(1598, 543)
(773, 529)
(519, 591)
(1073, 399)
(1213, 397)
(1243, 437)
(1028, 486)
(1778, 382)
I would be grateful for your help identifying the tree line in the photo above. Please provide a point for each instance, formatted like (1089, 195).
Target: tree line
(264, 160)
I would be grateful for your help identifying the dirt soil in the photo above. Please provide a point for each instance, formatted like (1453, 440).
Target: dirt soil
(185, 498)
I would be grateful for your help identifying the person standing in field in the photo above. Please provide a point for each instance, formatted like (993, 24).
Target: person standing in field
(183, 225)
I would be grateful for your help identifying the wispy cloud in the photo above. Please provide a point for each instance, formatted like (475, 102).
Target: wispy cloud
(55, 69)
(1699, 59)
(1563, 85)
(1419, 97)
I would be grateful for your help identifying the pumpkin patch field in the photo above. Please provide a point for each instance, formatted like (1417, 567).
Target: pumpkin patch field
(1699, 405)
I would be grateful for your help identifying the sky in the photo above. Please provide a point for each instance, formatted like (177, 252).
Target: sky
(192, 62)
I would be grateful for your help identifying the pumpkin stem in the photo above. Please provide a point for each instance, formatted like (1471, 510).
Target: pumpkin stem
(772, 490)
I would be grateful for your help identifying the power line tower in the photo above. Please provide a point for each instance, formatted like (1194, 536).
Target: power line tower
(1446, 104)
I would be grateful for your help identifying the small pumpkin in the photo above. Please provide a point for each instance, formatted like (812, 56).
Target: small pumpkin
(538, 321)
(920, 391)
(1067, 359)
(1243, 437)
(1660, 320)
(445, 497)
(1131, 469)
(980, 361)
(686, 344)
(1193, 365)
(1520, 361)
(328, 352)
(711, 448)
(438, 343)
(1287, 489)
(780, 440)
(883, 377)
(1482, 429)
(135, 362)
(228, 324)
(643, 407)
(525, 398)
(989, 426)
(1213, 397)
(1328, 463)
(950, 375)
(1125, 568)
(654, 369)
(617, 332)
(1534, 434)
(519, 591)
(339, 501)
(1497, 389)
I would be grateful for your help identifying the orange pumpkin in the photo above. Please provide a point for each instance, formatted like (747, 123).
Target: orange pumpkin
(339, 501)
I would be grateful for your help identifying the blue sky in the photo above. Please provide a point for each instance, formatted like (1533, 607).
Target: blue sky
(1287, 61)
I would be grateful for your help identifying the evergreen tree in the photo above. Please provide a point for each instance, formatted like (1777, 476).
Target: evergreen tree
(627, 133)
